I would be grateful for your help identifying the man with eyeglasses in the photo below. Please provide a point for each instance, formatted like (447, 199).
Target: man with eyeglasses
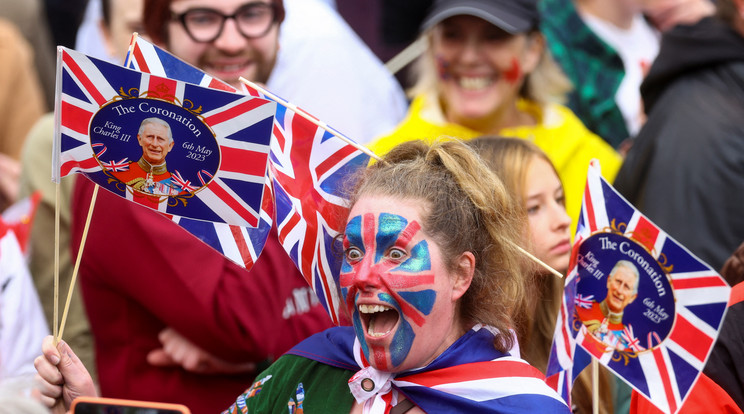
(226, 38)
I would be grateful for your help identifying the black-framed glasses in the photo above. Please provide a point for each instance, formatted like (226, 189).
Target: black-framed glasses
(203, 25)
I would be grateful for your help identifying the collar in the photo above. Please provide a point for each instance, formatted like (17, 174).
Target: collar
(615, 318)
(152, 169)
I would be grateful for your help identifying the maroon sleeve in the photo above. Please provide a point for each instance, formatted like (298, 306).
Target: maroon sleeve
(160, 275)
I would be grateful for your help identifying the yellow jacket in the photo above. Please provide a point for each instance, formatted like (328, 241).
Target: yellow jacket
(566, 141)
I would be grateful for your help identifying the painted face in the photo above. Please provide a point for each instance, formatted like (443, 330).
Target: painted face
(396, 287)
(546, 213)
(481, 68)
(620, 287)
(155, 143)
(231, 55)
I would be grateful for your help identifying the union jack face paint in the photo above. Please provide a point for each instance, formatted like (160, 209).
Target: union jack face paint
(395, 288)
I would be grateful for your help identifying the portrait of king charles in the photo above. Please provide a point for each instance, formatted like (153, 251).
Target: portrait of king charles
(604, 320)
(150, 173)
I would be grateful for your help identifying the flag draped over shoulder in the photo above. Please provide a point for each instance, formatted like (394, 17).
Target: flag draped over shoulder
(309, 168)
(240, 244)
(674, 305)
(215, 167)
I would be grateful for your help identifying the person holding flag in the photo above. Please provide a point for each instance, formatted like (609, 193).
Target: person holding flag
(430, 295)
(533, 181)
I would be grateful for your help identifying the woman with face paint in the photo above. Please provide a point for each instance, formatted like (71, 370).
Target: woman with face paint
(486, 71)
(532, 180)
(430, 275)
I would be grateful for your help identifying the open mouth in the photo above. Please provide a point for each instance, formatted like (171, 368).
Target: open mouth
(379, 320)
(475, 83)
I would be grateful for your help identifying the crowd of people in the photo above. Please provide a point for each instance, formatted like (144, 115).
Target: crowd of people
(485, 157)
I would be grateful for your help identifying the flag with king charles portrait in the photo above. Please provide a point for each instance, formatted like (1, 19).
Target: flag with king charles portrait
(636, 300)
(240, 244)
(179, 148)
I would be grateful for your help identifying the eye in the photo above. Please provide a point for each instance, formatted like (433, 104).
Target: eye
(396, 254)
(353, 254)
(533, 209)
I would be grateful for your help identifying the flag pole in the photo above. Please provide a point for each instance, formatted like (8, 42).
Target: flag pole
(56, 261)
(595, 386)
(536, 260)
(77, 263)
(406, 56)
(307, 116)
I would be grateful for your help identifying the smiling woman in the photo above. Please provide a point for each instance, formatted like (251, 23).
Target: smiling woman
(486, 71)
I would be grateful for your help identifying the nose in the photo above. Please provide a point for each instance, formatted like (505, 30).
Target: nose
(471, 49)
(367, 276)
(230, 40)
(561, 220)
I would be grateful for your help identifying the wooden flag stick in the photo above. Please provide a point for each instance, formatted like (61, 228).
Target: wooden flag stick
(538, 261)
(305, 115)
(406, 56)
(595, 386)
(77, 264)
(56, 260)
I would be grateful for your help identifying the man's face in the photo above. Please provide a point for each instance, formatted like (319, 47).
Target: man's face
(620, 289)
(155, 143)
(231, 55)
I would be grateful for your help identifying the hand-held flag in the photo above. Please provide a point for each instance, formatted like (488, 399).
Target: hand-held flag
(175, 147)
(310, 167)
(637, 301)
(240, 244)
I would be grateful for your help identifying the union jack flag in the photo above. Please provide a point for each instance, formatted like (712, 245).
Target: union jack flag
(146, 57)
(242, 245)
(680, 301)
(584, 301)
(121, 165)
(309, 167)
(230, 133)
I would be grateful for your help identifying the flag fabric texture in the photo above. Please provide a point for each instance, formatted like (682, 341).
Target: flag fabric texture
(221, 136)
(659, 341)
(240, 244)
(310, 167)
(469, 376)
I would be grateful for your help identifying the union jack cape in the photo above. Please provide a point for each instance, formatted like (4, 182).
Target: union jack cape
(670, 327)
(240, 244)
(470, 376)
(217, 135)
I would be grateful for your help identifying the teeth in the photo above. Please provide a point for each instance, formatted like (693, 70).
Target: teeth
(475, 83)
(230, 67)
(373, 308)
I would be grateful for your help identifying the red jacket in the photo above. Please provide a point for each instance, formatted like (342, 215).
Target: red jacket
(140, 273)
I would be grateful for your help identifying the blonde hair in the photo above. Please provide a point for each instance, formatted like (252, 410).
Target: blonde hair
(536, 314)
(546, 84)
(465, 208)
